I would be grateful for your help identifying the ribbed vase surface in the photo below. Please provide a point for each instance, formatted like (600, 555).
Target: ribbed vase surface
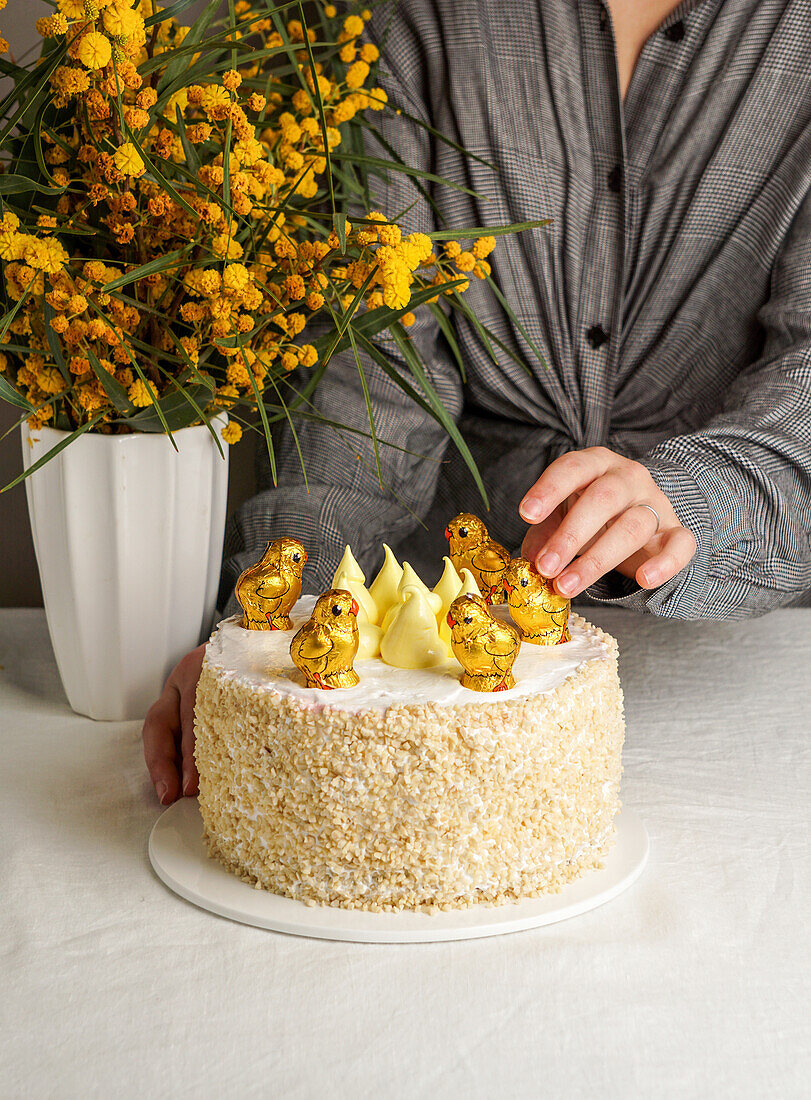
(128, 535)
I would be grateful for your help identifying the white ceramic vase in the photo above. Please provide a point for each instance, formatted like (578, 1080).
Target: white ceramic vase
(128, 535)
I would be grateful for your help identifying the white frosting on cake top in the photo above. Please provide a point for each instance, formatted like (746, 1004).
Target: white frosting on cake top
(261, 659)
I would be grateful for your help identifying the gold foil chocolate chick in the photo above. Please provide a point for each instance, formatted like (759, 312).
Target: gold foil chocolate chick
(472, 548)
(484, 646)
(267, 591)
(540, 612)
(324, 649)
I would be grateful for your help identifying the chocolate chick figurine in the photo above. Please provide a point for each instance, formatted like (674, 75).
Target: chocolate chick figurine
(484, 646)
(472, 548)
(268, 590)
(324, 648)
(541, 614)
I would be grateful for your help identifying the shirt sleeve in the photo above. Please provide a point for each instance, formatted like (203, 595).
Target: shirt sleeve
(343, 500)
(742, 483)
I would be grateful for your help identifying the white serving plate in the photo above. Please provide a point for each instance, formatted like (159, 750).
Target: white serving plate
(181, 861)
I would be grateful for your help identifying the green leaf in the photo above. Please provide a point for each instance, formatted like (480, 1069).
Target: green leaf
(293, 431)
(388, 368)
(343, 323)
(369, 411)
(397, 164)
(169, 12)
(112, 387)
(407, 170)
(473, 232)
(13, 396)
(53, 340)
(15, 309)
(511, 314)
(36, 134)
(38, 79)
(14, 185)
(439, 410)
(445, 139)
(339, 225)
(457, 302)
(265, 427)
(54, 451)
(168, 414)
(447, 330)
(486, 335)
(186, 391)
(160, 263)
(189, 151)
(323, 122)
(377, 320)
(8, 68)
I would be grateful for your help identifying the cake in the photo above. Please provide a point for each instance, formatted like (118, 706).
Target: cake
(408, 790)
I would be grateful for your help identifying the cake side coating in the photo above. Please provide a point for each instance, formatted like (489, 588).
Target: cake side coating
(411, 805)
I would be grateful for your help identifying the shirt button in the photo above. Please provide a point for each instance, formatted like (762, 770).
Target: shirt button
(597, 336)
(675, 32)
(614, 178)
(603, 18)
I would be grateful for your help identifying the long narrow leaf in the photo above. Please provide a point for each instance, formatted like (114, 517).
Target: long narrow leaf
(471, 232)
(407, 170)
(369, 410)
(293, 431)
(441, 413)
(54, 451)
(160, 263)
(319, 104)
(112, 387)
(13, 396)
(53, 340)
(447, 330)
(511, 314)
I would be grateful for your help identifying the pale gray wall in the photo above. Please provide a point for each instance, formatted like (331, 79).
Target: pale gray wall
(19, 585)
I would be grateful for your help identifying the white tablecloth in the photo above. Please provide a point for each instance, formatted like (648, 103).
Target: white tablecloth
(693, 983)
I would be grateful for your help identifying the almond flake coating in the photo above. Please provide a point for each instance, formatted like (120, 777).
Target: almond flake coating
(415, 805)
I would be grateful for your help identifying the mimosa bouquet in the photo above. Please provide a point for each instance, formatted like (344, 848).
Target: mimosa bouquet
(174, 217)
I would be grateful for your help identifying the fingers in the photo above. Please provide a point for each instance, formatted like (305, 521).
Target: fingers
(538, 535)
(608, 496)
(629, 533)
(677, 549)
(190, 777)
(186, 676)
(160, 753)
(168, 733)
(562, 478)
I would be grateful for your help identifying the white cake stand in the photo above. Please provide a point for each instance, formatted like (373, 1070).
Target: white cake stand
(180, 859)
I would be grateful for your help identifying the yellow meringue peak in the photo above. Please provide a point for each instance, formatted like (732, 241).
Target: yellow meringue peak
(447, 588)
(367, 612)
(410, 579)
(349, 565)
(369, 638)
(469, 588)
(383, 588)
(412, 639)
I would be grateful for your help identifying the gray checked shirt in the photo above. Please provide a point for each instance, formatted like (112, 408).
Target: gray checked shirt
(665, 312)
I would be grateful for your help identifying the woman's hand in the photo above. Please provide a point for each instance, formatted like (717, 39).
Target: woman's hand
(169, 732)
(587, 503)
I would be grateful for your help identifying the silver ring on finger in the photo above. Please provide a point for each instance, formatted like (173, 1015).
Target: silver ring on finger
(652, 509)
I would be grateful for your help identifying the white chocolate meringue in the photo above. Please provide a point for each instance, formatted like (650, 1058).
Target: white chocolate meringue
(412, 639)
(383, 588)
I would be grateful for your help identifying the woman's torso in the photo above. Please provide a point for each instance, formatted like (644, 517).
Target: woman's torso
(667, 212)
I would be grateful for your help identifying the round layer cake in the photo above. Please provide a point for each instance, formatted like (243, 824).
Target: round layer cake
(409, 790)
